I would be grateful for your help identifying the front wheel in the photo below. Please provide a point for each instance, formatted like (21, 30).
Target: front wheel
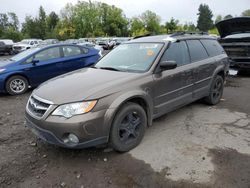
(128, 127)
(16, 85)
(216, 91)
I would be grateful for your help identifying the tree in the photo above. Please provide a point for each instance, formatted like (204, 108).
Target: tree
(137, 27)
(228, 16)
(246, 13)
(41, 22)
(205, 15)
(151, 21)
(189, 27)
(171, 26)
(51, 22)
(218, 19)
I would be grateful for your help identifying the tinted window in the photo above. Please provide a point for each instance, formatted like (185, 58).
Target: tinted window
(71, 51)
(197, 51)
(213, 47)
(48, 54)
(178, 52)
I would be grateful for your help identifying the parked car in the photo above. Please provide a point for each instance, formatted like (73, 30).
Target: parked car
(36, 65)
(235, 39)
(92, 45)
(26, 44)
(115, 100)
(49, 41)
(103, 42)
(71, 41)
(6, 46)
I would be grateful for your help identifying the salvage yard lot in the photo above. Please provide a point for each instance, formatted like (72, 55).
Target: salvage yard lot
(195, 146)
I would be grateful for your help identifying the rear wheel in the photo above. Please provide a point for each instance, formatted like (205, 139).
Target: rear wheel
(128, 127)
(216, 91)
(16, 85)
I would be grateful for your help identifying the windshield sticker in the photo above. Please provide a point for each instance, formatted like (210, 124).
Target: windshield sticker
(150, 52)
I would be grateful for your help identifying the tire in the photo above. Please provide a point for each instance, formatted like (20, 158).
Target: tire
(216, 91)
(16, 85)
(128, 127)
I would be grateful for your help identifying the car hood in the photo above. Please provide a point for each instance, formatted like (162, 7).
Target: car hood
(233, 26)
(84, 84)
(5, 63)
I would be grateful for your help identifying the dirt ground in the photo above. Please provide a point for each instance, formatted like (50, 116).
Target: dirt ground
(196, 146)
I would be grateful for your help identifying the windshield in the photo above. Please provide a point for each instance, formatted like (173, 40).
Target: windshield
(133, 57)
(24, 54)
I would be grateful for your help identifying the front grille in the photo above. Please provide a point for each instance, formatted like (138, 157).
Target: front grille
(37, 107)
(237, 51)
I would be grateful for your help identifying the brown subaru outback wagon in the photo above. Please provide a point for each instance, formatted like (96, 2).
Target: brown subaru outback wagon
(115, 100)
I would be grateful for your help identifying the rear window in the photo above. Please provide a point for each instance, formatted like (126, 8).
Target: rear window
(213, 47)
(71, 51)
(197, 51)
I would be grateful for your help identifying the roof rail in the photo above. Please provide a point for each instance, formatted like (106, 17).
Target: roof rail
(179, 33)
(145, 35)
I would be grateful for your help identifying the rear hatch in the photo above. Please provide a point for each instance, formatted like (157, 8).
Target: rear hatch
(235, 38)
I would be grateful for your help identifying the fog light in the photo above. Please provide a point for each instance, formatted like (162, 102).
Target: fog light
(71, 139)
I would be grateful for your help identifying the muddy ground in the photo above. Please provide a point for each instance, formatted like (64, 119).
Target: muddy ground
(196, 146)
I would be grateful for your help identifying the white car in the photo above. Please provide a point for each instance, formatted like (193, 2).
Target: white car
(26, 44)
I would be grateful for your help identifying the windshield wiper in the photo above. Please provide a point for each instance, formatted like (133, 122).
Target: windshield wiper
(109, 68)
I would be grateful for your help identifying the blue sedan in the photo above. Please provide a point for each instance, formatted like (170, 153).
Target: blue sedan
(36, 65)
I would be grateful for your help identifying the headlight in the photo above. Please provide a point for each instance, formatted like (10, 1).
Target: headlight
(72, 109)
(1, 70)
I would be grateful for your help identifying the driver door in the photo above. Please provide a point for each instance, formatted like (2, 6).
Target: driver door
(43, 65)
(173, 88)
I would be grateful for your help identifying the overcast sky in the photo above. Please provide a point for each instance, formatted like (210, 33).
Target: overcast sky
(183, 10)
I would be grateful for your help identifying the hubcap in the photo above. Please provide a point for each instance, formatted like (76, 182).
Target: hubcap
(17, 85)
(129, 127)
(216, 94)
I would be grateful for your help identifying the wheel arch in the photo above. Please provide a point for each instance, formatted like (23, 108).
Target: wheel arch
(15, 74)
(140, 98)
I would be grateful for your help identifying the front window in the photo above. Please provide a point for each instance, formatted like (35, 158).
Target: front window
(133, 57)
(48, 54)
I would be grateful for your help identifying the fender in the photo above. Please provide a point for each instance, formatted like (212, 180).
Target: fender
(220, 68)
(119, 101)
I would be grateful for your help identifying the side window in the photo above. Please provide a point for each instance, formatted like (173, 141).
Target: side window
(48, 54)
(32, 43)
(178, 52)
(35, 42)
(213, 47)
(71, 51)
(197, 51)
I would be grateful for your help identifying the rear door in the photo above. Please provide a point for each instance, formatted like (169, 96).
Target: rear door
(74, 57)
(204, 67)
(173, 88)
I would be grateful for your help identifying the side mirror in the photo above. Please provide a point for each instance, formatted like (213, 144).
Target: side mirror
(167, 65)
(35, 61)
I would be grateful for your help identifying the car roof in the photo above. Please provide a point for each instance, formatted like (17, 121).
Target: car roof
(171, 38)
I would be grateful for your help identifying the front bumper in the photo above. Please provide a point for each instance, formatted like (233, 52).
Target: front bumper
(91, 129)
(237, 64)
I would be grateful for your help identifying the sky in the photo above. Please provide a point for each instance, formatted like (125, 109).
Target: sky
(183, 10)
